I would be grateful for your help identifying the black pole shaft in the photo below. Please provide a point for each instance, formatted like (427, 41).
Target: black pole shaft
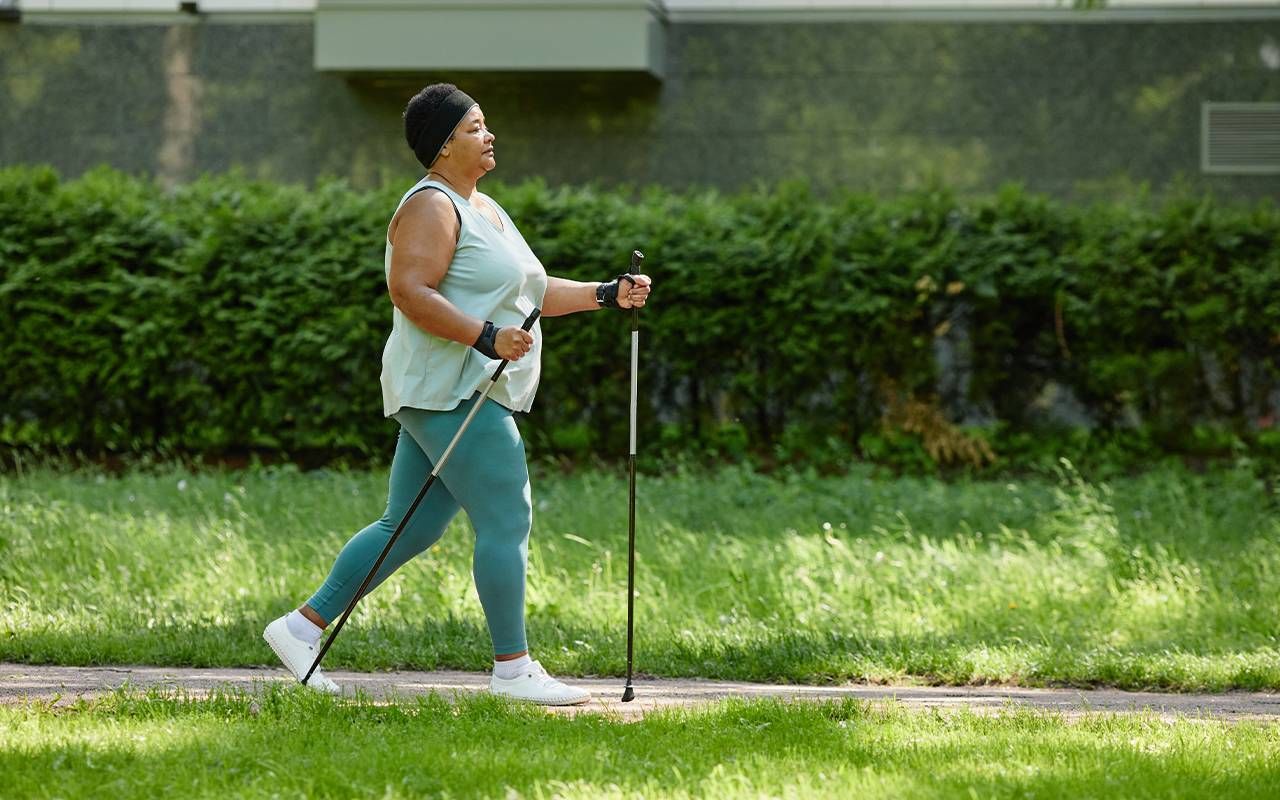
(528, 323)
(360, 592)
(628, 693)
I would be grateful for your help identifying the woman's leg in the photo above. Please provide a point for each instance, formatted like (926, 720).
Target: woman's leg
(488, 476)
(409, 470)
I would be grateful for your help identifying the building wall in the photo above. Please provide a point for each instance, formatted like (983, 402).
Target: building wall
(1075, 109)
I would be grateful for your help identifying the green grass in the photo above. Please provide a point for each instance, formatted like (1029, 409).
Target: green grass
(1168, 580)
(291, 743)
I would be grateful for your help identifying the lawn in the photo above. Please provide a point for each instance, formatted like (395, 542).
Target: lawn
(292, 743)
(1168, 580)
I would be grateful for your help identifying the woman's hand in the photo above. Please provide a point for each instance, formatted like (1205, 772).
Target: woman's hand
(634, 295)
(512, 342)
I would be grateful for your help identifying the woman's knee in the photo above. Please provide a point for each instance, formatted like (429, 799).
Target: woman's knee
(502, 542)
(503, 525)
(418, 535)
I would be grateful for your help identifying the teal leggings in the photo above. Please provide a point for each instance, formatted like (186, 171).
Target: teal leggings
(486, 475)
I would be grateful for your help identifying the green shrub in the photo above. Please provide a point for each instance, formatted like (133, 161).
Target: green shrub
(231, 315)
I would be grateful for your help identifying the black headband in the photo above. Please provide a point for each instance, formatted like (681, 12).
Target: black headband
(437, 130)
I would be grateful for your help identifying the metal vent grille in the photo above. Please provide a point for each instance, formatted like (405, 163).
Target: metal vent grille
(1240, 138)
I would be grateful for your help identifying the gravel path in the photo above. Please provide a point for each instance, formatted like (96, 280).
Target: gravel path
(19, 682)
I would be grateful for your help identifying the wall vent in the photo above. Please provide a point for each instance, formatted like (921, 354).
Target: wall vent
(1240, 138)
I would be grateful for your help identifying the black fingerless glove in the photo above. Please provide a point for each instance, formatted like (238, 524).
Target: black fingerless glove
(607, 293)
(487, 343)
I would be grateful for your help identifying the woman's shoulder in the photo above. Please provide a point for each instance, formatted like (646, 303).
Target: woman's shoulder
(427, 210)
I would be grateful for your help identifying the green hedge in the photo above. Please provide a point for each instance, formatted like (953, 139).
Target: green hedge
(232, 315)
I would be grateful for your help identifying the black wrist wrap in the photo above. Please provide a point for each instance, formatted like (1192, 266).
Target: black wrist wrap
(607, 293)
(487, 341)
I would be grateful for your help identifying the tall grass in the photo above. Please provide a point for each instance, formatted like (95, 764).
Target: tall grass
(1168, 580)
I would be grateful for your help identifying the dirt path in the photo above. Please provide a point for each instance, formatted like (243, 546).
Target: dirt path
(22, 681)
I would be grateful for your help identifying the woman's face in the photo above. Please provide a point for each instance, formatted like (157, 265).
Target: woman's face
(471, 147)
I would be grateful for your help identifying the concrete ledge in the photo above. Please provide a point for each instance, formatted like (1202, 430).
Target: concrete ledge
(597, 35)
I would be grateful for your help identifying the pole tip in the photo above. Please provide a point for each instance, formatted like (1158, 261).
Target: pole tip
(628, 694)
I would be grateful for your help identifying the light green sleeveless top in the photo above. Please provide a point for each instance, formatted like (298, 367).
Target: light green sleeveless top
(493, 276)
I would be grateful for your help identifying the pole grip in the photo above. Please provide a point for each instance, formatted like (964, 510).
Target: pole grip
(526, 325)
(636, 258)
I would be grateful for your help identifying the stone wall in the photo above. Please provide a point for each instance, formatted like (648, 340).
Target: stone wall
(1080, 110)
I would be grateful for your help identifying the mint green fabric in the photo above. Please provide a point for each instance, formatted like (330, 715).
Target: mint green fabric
(493, 276)
(487, 476)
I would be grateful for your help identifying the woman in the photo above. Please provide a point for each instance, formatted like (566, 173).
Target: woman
(461, 280)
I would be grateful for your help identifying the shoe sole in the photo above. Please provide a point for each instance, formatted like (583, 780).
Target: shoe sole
(578, 702)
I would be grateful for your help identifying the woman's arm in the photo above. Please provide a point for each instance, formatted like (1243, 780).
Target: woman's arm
(566, 297)
(423, 240)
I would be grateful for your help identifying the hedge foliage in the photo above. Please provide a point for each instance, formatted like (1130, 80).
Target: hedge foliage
(230, 314)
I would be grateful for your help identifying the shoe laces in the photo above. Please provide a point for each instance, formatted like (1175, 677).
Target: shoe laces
(539, 674)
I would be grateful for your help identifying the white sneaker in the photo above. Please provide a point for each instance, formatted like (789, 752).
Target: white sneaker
(297, 656)
(536, 686)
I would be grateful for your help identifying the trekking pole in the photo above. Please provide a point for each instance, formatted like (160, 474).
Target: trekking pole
(628, 694)
(528, 323)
